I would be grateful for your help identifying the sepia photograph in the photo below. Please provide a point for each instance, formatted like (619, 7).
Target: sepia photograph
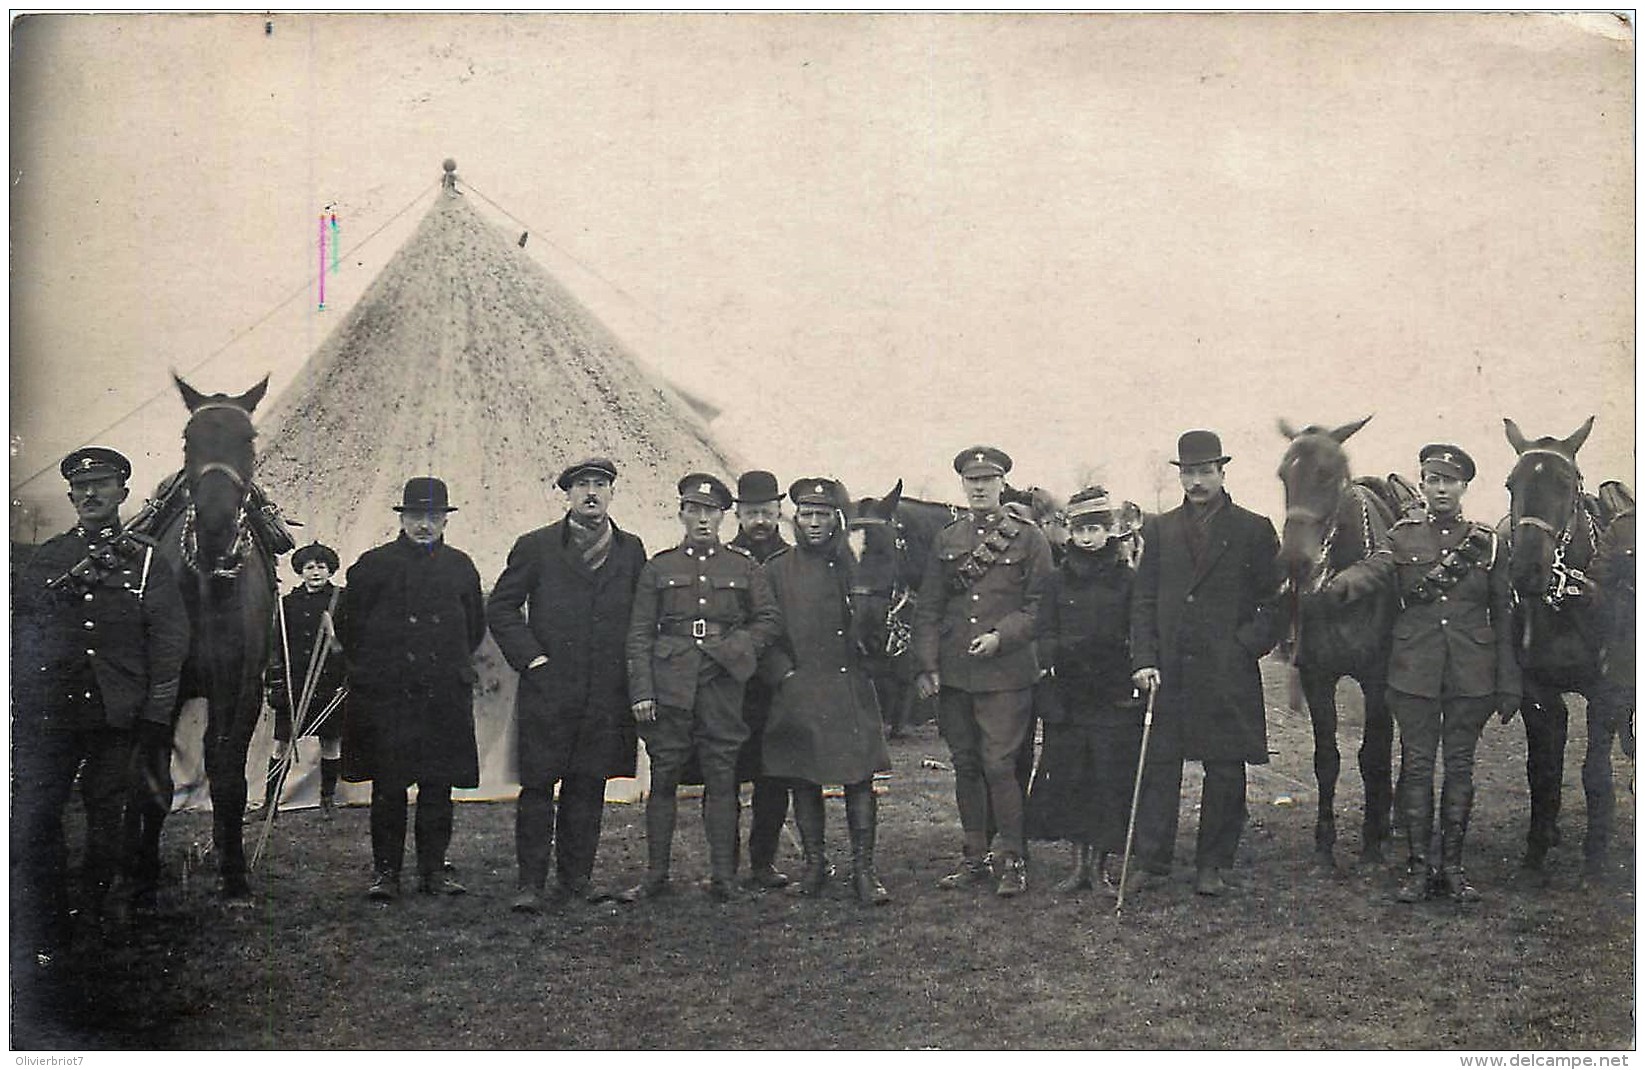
(814, 532)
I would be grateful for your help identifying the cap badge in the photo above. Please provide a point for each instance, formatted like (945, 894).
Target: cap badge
(704, 488)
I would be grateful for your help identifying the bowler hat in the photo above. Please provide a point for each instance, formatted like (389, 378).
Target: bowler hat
(1448, 460)
(95, 462)
(704, 489)
(817, 490)
(596, 465)
(314, 551)
(756, 487)
(1200, 447)
(982, 461)
(425, 494)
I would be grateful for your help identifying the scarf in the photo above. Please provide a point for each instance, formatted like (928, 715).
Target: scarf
(593, 543)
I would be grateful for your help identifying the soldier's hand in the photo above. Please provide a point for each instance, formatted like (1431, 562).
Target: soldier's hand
(644, 712)
(985, 645)
(927, 684)
(1507, 704)
(1145, 679)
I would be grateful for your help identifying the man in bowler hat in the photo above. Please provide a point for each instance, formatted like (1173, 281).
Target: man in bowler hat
(1203, 613)
(412, 619)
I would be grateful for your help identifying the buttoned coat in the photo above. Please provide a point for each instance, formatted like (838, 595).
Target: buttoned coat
(1004, 600)
(1082, 635)
(130, 628)
(824, 725)
(1204, 627)
(572, 713)
(718, 585)
(411, 620)
(1459, 645)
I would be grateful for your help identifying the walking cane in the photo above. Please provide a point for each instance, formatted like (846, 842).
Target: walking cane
(1136, 794)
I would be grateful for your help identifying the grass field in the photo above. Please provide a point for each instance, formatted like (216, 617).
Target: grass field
(1296, 959)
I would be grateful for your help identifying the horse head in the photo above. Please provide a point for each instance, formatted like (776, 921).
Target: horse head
(1545, 496)
(1314, 472)
(218, 457)
(872, 532)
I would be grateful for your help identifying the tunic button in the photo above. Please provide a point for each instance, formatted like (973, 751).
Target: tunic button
(702, 601)
(1442, 598)
(973, 620)
(1442, 620)
(842, 668)
(702, 579)
(976, 598)
(88, 694)
(89, 624)
(1190, 598)
(412, 619)
(88, 596)
(840, 632)
(90, 651)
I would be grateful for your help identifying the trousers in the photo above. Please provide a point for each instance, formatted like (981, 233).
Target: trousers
(1221, 814)
(570, 831)
(388, 824)
(985, 732)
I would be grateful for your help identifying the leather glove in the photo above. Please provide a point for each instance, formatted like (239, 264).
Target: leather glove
(1507, 704)
(1350, 586)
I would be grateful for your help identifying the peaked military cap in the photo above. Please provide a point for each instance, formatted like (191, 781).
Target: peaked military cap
(1447, 459)
(592, 465)
(756, 487)
(314, 551)
(704, 489)
(1200, 447)
(95, 462)
(425, 494)
(1092, 502)
(982, 461)
(817, 490)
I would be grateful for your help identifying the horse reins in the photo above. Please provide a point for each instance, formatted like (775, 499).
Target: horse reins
(1560, 575)
(230, 561)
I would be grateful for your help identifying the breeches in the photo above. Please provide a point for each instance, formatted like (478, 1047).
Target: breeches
(985, 732)
(1449, 727)
(713, 728)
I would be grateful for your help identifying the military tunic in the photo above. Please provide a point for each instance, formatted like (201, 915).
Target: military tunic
(701, 617)
(92, 663)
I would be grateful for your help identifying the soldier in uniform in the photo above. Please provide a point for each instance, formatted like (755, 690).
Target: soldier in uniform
(100, 635)
(1452, 660)
(825, 720)
(702, 616)
(973, 648)
(305, 644)
(759, 512)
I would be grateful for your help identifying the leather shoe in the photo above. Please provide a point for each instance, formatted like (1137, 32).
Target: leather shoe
(527, 901)
(765, 877)
(650, 888)
(581, 889)
(1210, 882)
(722, 890)
(971, 871)
(384, 886)
(1013, 879)
(432, 884)
(1458, 888)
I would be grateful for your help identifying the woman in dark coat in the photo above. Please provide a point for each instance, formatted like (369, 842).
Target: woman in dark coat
(412, 618)
(824, 726)
(560, 615)
(1082, 790)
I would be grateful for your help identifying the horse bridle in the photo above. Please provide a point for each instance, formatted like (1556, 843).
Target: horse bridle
(229, 562)
(898, 596)
(1322, 574)
(1560, 575)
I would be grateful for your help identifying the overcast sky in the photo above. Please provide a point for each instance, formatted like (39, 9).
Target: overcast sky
(871, 240)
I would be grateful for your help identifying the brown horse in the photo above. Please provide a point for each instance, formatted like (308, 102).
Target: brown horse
(1552, 533)
(227, 579)
(1330, 523)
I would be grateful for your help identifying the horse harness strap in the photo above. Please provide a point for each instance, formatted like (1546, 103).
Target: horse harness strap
(986, 554)
(1564, 580)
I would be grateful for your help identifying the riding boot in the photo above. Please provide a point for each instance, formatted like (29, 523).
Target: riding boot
(1080, 879)
(720, 812)
(862, 818)
(810, 816)
(1453, 830)
(660, 807)
(329, 768)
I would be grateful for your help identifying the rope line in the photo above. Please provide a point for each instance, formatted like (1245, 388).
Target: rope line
(214, 354)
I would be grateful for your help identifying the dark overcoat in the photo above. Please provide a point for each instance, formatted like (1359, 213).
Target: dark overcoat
(412, 617)
(824, 725)
(572, 713)
(1082, 634)
(1204, 626)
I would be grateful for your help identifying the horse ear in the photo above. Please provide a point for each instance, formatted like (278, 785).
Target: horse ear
(191, 397)
(889, 503)
(1516, 437)
(250, 398)
(1286, 429)
(1579, 436)
(1346, 431)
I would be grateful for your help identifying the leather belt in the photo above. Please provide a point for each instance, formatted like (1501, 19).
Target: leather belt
(693, 629)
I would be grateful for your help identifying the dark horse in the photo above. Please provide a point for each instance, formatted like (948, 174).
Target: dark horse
(1331, 522)
(227, 581)
(1552, 532)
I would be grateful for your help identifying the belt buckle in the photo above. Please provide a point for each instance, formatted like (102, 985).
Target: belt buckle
(699, 629)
